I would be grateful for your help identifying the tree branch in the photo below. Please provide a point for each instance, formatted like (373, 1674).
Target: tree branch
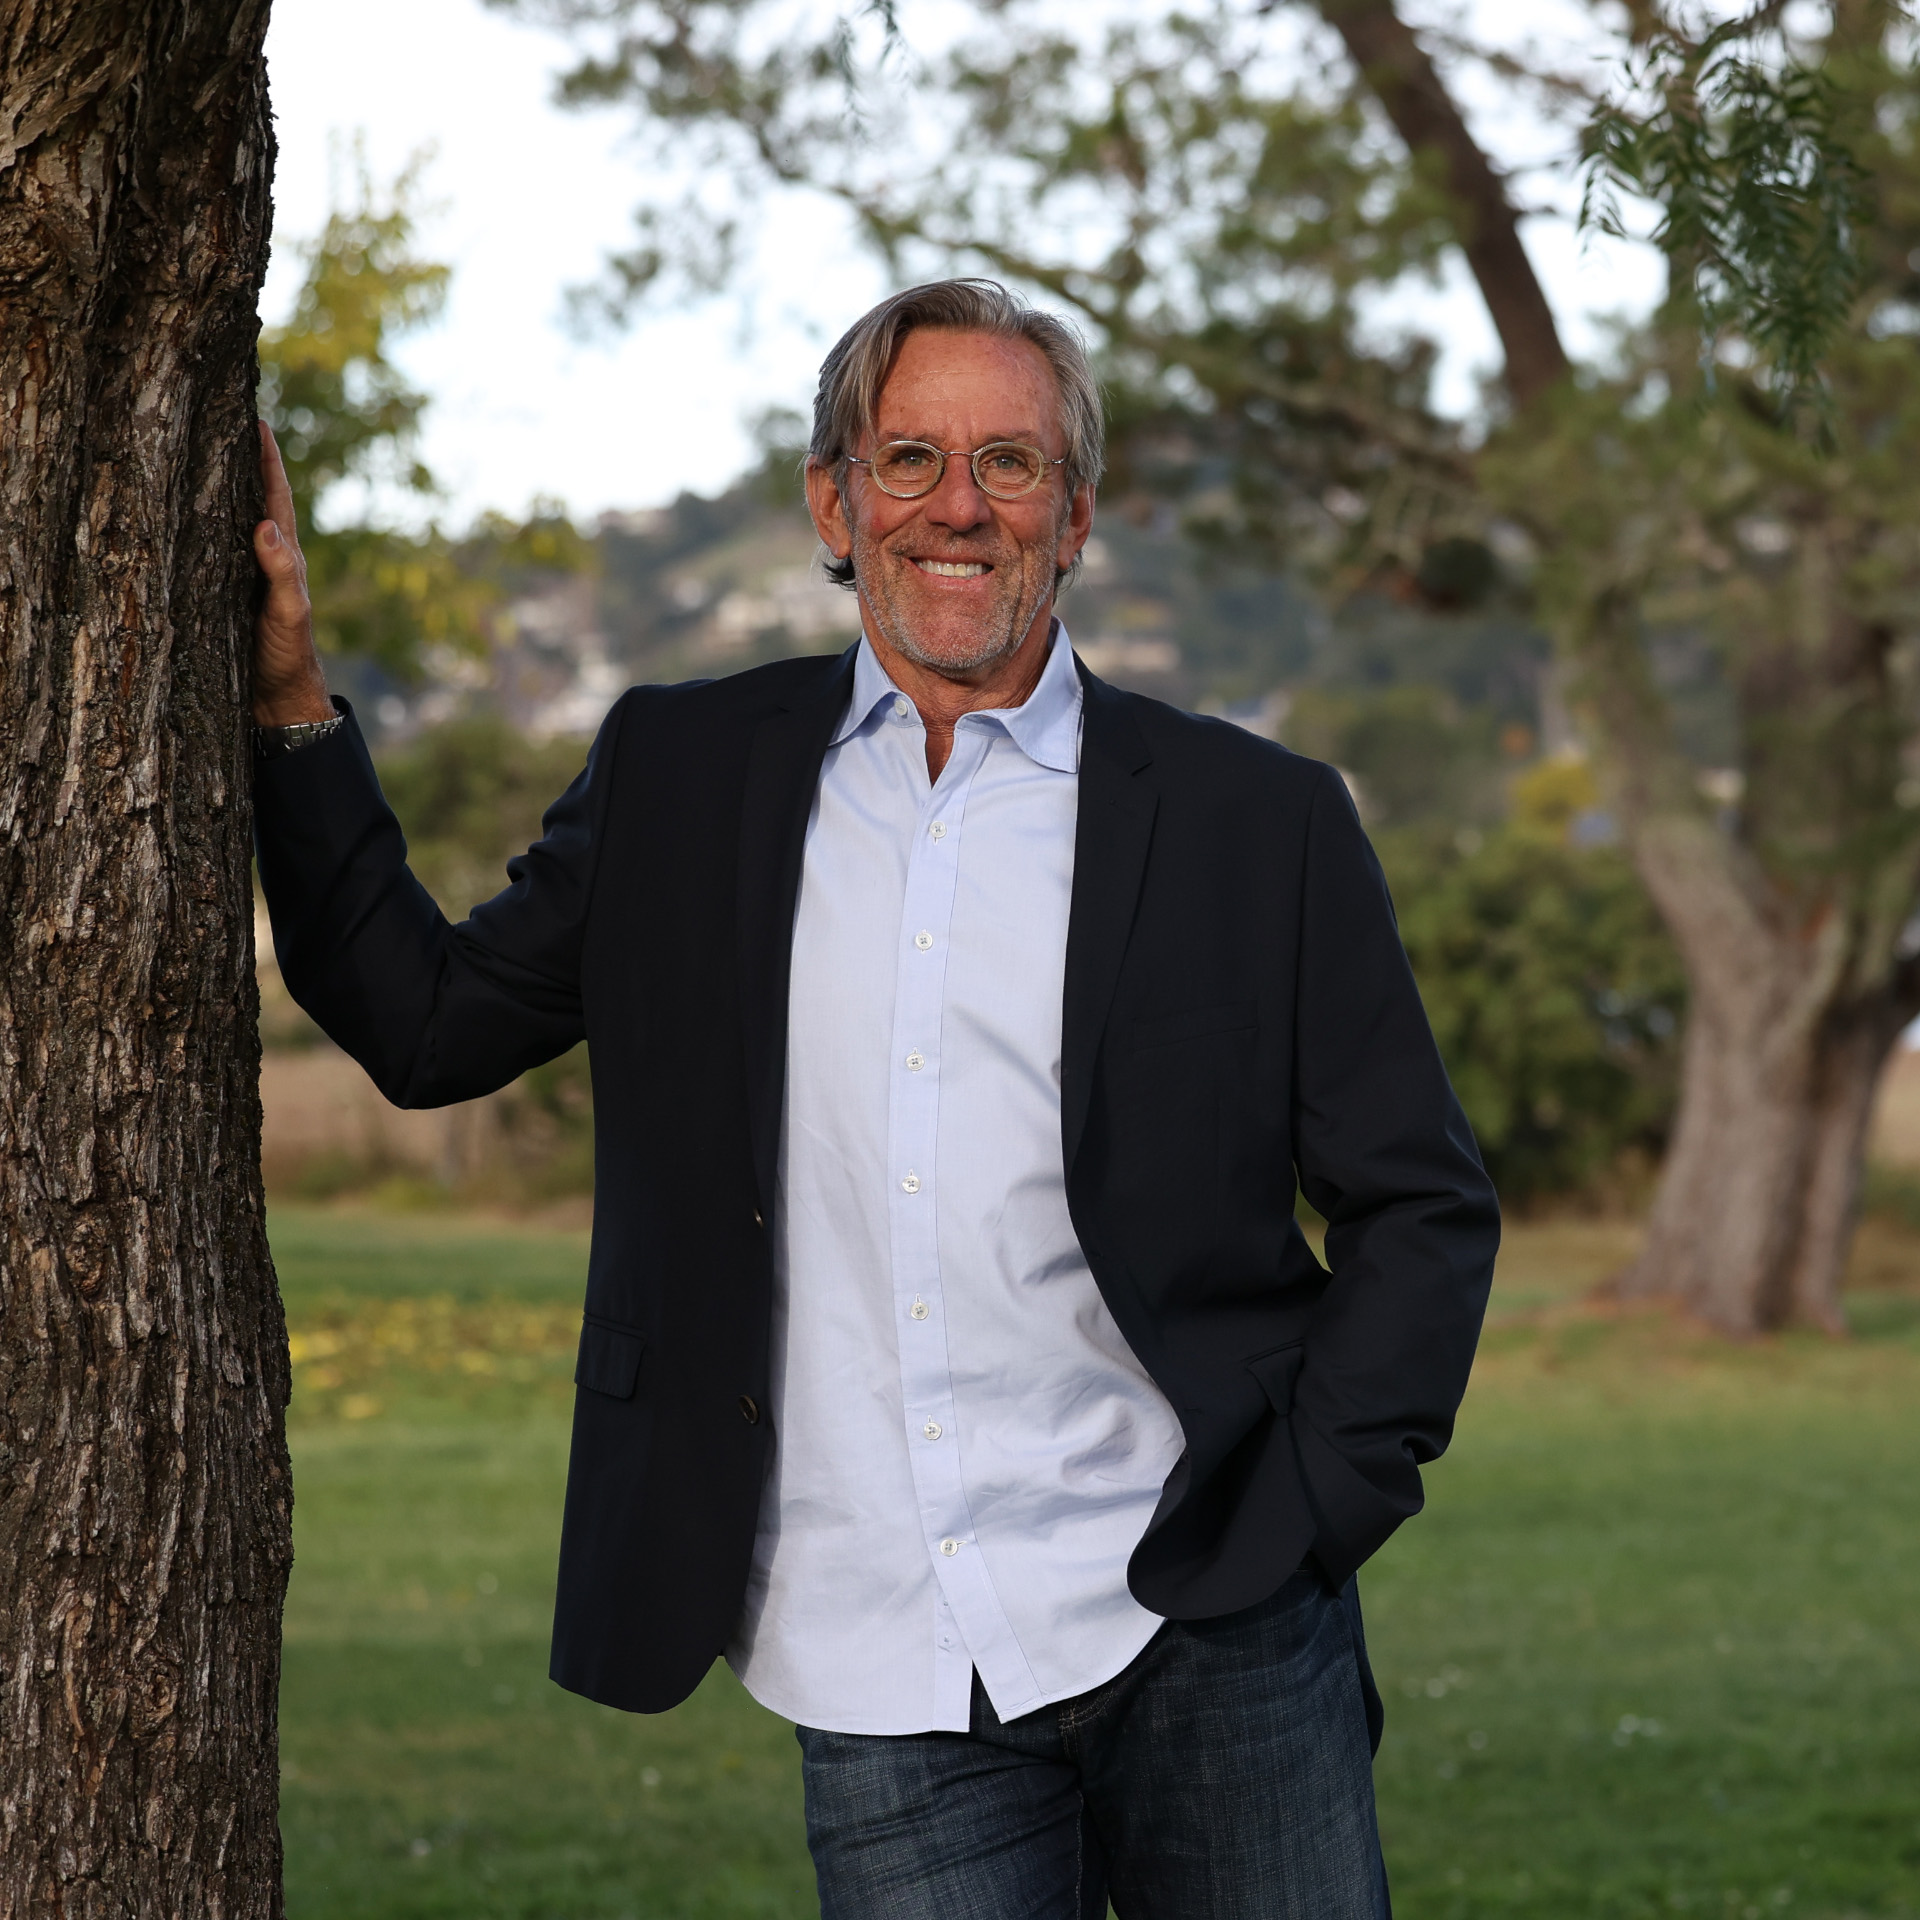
(1415, 99)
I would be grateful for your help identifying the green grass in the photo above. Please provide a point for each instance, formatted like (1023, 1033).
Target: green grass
(1654, 1648)
(429, 1766)
(327, 1255)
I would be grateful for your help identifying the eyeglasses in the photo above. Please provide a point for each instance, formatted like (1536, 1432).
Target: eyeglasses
(911, 469)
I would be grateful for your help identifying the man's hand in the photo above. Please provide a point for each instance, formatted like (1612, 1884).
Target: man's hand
(288, 685)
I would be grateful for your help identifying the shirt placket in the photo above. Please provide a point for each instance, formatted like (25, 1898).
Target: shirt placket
(970, 1623)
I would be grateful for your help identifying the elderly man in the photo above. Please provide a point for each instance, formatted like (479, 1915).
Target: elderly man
(960, 1028)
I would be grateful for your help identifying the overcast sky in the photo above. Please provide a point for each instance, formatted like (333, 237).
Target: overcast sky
(525, 200)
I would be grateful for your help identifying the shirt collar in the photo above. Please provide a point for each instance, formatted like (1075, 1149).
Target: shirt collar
(1045, 727)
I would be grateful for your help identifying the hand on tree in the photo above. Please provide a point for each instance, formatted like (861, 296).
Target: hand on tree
(288, 685)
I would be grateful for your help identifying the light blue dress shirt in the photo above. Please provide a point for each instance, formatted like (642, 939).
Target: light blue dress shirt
(966, 1450)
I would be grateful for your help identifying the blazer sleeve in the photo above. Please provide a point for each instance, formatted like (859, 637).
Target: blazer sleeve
(1384, 1151)
(434, 1012)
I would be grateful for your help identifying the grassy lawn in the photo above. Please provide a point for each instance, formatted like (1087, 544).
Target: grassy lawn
(1654, 1648)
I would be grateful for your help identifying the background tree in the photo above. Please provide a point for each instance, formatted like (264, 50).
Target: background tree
(347, 420)
(1220, 192)
(144, 1498)
(1554, 991)
(1749, 473)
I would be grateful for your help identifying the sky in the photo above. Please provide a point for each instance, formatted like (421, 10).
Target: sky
(523, 200)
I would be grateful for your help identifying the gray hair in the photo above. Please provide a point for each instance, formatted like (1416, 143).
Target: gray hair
(852, 375)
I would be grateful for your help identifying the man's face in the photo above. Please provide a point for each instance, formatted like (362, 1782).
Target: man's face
(956, 580)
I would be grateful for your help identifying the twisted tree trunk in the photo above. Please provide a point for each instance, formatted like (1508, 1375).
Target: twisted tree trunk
(144, 1494)
(1784, 1049)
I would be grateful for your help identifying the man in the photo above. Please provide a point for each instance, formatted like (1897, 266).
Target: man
(951, 1358)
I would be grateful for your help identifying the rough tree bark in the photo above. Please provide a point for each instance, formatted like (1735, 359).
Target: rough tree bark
(144, 1492)
(1784, 1049)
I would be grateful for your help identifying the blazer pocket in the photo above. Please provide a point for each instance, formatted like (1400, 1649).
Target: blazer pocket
(609, 1360)
(1277, 1370)
(1196, 1023)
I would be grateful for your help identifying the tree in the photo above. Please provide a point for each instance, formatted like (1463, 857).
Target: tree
(1740, 482)
(144, 1492)
(1554, 991)
(342, 411)
(1767, 499)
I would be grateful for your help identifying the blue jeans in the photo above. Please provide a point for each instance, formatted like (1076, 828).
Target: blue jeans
(1225, 1775)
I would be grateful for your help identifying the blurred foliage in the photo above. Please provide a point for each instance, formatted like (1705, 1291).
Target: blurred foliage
(344, 414)
(1554, 991)
(469, 795)
(1761, 197)
(338, 405)
(1417, 756)
(1892, 1193)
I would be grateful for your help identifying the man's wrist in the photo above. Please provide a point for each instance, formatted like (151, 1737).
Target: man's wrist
(269, 742)
(294, 710)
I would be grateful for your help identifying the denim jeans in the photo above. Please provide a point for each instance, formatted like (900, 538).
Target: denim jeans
(1226, 1774)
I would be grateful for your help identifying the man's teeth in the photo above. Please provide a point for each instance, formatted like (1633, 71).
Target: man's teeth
(953, 569)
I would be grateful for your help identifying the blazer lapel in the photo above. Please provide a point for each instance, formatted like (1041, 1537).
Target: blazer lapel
(783, 768)
(1117, 804)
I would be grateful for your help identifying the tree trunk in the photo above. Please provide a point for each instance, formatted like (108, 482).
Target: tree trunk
(144, 1492)
(1755, 1211)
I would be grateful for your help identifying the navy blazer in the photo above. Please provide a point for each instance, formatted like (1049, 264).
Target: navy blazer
(1239, 1012)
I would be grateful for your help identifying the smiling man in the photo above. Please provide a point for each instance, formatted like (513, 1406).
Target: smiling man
(961, 1027)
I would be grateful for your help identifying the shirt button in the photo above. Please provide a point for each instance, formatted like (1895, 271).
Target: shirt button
(919, 1310)
(916, 1060)
(899, 709)
(911, 1184)
(923, 940)
(932, 1429)
(949, 1547)
(938, 831)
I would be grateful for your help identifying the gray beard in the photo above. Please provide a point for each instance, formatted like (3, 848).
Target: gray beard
(898, 636)
(903, 642)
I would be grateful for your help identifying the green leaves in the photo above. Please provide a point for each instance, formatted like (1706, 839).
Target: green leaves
(342, 410)
(337, 404)
(1554, 994)
(1744, 151)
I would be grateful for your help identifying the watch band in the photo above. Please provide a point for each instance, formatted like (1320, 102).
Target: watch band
(270, 742)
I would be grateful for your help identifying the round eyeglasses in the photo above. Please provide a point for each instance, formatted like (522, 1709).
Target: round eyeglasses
(911, 469)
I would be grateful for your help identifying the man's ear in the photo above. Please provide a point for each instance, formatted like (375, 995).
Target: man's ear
(1075, 528)
(829, 510)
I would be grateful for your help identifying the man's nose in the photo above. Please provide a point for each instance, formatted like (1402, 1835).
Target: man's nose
(958, 502)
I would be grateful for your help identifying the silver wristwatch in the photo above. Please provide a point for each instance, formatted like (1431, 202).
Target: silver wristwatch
(269, 742)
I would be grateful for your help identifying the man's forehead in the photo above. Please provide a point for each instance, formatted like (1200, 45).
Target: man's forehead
(1005, 386)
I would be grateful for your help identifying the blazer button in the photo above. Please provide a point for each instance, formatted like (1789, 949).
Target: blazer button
(749, 1409)
(757, 1221)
